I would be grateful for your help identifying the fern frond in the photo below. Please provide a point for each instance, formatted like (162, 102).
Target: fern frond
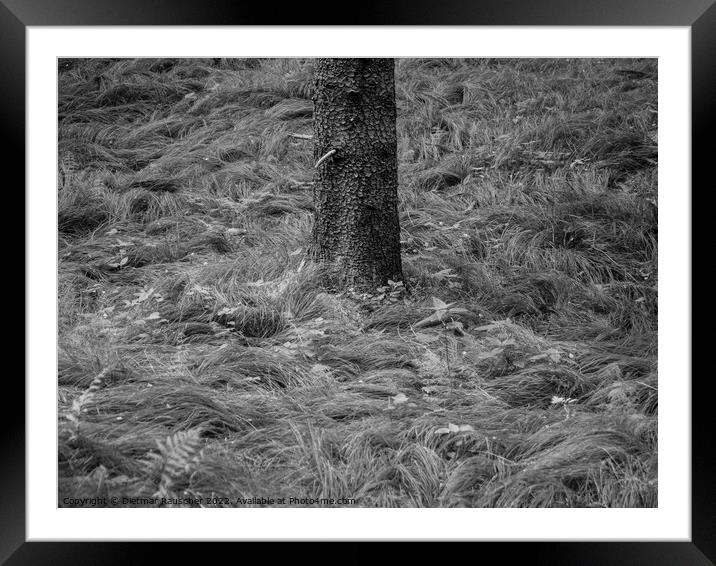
(98, 381)
(78, 404)
(181, 454)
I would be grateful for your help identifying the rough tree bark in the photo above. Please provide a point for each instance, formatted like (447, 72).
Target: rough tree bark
(355, 193)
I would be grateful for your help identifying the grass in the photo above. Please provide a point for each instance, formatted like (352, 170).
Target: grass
(200, 357)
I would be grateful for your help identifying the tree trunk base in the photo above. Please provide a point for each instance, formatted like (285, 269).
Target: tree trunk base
(356, 232)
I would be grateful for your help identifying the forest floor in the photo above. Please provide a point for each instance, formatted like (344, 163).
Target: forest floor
(199, 356)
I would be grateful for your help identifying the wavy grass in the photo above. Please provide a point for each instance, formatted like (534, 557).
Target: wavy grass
(527, 198)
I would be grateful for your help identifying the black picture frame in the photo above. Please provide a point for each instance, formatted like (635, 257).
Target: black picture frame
(699, 15)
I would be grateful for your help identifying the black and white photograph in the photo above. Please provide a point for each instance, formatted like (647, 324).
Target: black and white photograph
(357, 282)
(415, 275)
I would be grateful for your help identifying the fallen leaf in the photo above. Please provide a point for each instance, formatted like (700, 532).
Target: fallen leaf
(440, 305)
(458, 310)
(445, 273)
(431, 320)
(456, 327)
(227, 311)
(143, 295)
(400, 398)
(424, 338)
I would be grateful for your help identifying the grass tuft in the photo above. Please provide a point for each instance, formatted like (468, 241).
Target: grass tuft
(200, 354)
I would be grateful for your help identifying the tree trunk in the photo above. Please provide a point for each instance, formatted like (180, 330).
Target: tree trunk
(356, 228)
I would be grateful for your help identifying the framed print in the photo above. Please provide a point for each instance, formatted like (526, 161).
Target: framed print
(399, 278)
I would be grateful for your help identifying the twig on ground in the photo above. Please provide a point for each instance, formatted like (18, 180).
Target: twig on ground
(301, 136)
(322, 159)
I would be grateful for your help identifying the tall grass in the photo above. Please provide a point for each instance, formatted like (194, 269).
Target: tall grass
(200, 358)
